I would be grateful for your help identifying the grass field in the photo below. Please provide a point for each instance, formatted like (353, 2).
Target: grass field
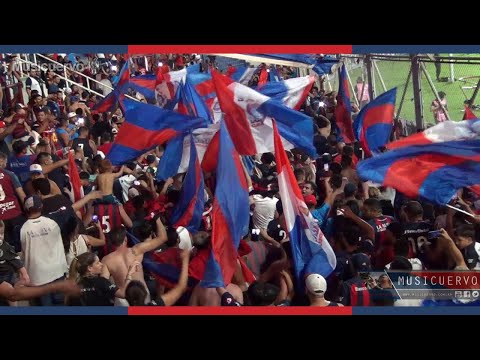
(395, 74)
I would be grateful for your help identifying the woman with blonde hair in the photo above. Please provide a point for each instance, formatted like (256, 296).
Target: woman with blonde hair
(96, 290)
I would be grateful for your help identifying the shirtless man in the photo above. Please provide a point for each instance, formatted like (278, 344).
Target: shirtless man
(118, 262)
(105, 181)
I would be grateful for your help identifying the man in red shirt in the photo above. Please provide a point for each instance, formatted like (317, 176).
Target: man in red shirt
(10, 211)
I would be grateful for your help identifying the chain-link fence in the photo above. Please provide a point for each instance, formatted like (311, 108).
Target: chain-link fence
(455, 76)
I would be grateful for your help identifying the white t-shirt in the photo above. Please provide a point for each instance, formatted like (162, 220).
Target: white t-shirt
(43, 252)
(35, 85)
(77, 247)
(264, 211)
(105, 88)
(126, 181)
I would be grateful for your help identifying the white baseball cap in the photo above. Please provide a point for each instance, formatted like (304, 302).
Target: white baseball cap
(316, 284)
(36, 168)
(185, 239)
(72, 114)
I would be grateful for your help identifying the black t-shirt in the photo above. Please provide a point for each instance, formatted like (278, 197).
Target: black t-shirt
(97, 291)
(417, 236)
(54, 203)
(85, 145)
(99, 128)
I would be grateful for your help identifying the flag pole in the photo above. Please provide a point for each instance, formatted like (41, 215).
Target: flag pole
(460, 210)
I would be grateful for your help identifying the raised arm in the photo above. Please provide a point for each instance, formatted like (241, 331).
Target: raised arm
(125, 218)
(48, 168)
(146, 246)
(366, 228)
(84, 201)
(172, 296)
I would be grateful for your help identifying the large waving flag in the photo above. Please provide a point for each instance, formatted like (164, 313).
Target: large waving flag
(147, 126)
(144, 84)
(291, 92)
(310, 249)
(374, 123)
(168, 83)
(205, 89)
(188, 211)
(230, 214)
(243, 74)
(108, 103)
(442, 132)
(176, 157)
(433, 171)
(343, 110)
(248, 117)
(469, 114)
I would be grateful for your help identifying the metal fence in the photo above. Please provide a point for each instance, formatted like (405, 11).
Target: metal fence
(455, 75)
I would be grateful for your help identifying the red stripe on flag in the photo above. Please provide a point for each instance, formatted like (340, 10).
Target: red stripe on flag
(235, 118)
(283, 164)
(247, 49)
(243, 310)
(139, 138)
(414, 171)
(412, 140)
(74, 177)
(222, 244)
(469, 114)
(378, 115)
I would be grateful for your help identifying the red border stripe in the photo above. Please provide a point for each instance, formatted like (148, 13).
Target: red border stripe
(244, 310)
(247, 49)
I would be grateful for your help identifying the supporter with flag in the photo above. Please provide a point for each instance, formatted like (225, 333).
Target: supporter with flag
(145, 127)
(373, 125)
(311, 251)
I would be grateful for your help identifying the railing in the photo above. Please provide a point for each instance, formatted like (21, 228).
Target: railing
(71, 82)
(65, 69)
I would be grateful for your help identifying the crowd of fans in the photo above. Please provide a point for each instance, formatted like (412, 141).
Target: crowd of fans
(56, 248)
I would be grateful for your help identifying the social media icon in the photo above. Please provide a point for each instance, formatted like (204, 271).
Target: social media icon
(466, 294)
(475, 294)
(458, 294)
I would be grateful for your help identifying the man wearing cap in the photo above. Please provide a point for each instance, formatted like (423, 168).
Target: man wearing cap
(354, 291)
(36, 172)
(316, 286)
(52, 167)
(43, 251)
